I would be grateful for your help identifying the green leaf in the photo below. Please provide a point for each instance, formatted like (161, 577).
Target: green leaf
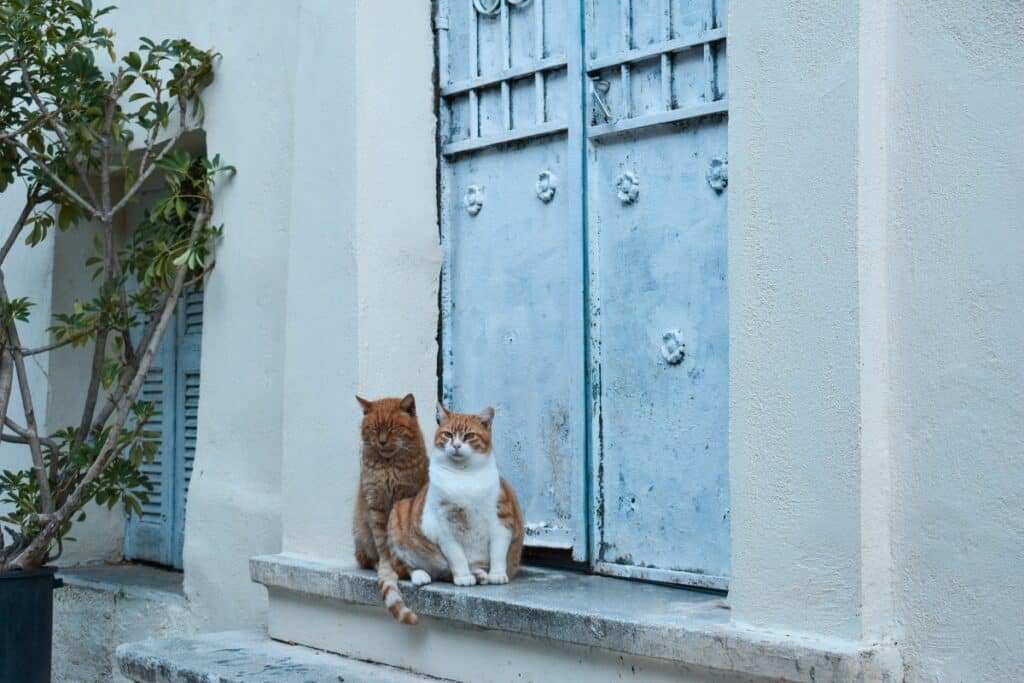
(66, 216)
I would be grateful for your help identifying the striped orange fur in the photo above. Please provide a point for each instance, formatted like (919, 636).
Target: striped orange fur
(394, 466)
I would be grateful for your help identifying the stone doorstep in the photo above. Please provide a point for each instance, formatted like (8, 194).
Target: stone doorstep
(670, 623)
(247, 657)
(132, 579)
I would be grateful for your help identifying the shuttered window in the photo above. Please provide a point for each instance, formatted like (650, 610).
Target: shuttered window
(158, 535)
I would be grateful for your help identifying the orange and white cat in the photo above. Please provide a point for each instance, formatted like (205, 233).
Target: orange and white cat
(465, 525)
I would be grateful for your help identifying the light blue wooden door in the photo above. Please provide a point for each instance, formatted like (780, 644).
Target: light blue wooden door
(583, 181)
(512, 233)
(656, 214)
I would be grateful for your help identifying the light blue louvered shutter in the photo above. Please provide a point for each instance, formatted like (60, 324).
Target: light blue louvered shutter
(189, 346)
(148, 537)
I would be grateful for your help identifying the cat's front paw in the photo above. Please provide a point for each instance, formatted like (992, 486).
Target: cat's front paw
(464, 580)
(497, 577)
(420, 578)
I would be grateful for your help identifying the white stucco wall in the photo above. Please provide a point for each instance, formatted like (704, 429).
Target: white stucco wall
(364, 256)
(957, 299)
(794, 444)
(875, 288)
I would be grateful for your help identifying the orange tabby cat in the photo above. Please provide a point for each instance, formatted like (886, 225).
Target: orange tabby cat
(465, 525)
(394, 466)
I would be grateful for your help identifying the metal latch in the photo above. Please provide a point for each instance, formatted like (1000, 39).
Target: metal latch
(598, 89)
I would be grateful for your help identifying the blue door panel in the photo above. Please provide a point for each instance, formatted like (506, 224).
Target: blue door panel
(516, 293)
(513, 240)
(663, 352)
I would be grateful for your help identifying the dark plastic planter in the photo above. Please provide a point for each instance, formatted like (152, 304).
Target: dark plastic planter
(26, 625)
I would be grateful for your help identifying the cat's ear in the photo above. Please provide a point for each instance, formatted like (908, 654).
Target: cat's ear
(486, 416)
(365, 404)
(408, 404)
(442, 412)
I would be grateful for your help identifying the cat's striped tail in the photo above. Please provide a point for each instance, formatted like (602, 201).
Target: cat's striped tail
(387, 582)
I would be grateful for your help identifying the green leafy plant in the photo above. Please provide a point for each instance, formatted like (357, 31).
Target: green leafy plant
(82, 131)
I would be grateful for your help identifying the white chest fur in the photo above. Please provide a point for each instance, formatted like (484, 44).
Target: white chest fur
(462, 505)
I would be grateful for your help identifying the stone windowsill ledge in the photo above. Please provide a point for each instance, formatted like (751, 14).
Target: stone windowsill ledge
(127, 579)
(625, 616)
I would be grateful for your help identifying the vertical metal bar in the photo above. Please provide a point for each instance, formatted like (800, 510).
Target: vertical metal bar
(576, 194)
(709, 67)
(474, 71)
(443, 70)
(538, 55)
(441, 26)
(627, 44)
(666, 58)
(444, 190)
(506, 63)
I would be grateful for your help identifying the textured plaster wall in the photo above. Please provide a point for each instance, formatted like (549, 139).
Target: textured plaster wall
(321, 328)
(364, 256)
(957, 274)
(794, 338)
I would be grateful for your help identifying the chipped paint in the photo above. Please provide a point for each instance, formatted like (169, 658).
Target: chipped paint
(659, 339)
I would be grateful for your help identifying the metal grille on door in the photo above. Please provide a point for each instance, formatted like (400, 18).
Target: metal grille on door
(584, 294)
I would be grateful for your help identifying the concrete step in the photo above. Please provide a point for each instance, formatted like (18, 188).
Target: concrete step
(249, 657)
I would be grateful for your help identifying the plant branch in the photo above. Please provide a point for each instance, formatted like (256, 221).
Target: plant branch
(6, 382)
(31, 201)
(52, 347)
(146, 171)
(199, 278)
(24, 128)
(122, 300)
(103, 328)
(23, 435)
(64, 187)
(99, 354)
(58, 128)
(114, 397)
(28, 407)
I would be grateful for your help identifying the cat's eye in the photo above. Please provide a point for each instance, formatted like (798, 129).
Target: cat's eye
(469, 435)
(446, 435)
